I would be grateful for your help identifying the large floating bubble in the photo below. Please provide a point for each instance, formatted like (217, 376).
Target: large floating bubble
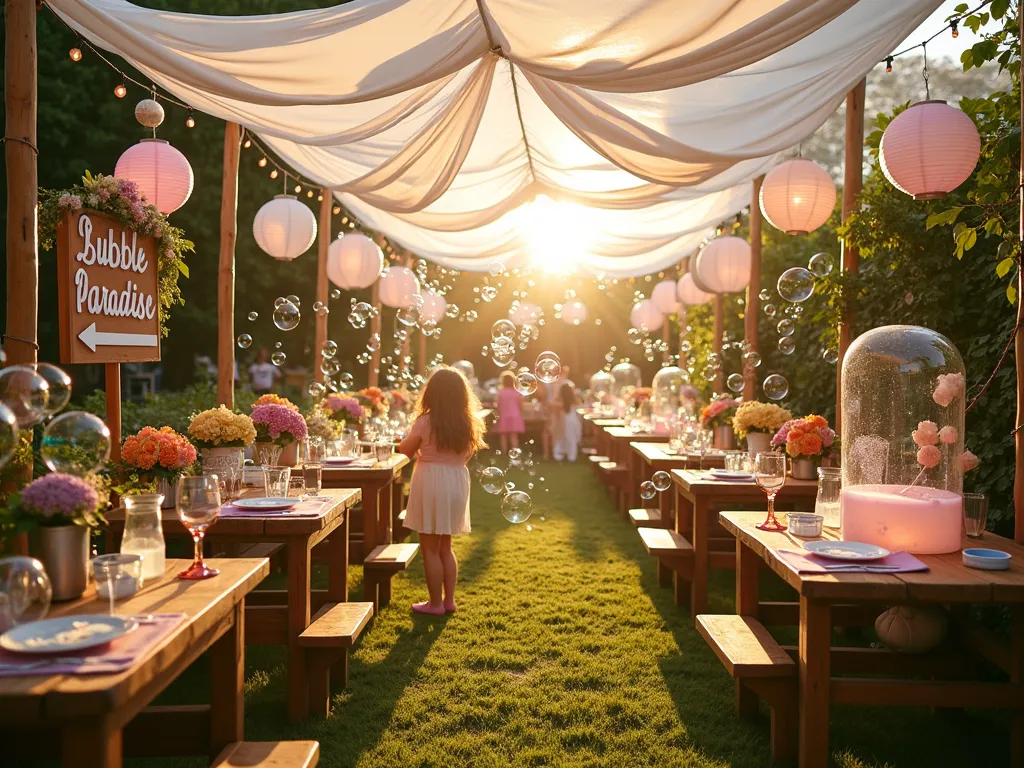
(775, 386)
(25, 591)
(244, 341)
(60, 387)
(488, 293)
(735, 382)
(8, 434)
(278, 358)
(517, 506)
(830, 355)
(253, 316)
(769, 310)
(75, 443)
(287, 316)
(548, 367)
(820, 265)
(359, 315)
(493, 480)
(503, 329)
(373, 343)
(330, 349)
(317, 390)
(526, 383)
(26, 393)
(661, 480)
(796, 284)
(787, 345)
(647, 490)
(503, 352)
(751, 359)
(785, 327)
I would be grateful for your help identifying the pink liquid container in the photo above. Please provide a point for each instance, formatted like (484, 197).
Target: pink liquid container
(902, 438)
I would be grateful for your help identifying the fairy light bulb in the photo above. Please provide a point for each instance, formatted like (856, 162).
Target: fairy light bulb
(262, 163)
(309, 193)
(190, 121)
(337, 210)
(953, 28)
(888, 63)
(273, 174)
(319, 198)
(247, 143)
(298, 188)
(120, 90)
(75, 54)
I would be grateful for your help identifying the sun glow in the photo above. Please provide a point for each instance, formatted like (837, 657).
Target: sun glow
(558, 233)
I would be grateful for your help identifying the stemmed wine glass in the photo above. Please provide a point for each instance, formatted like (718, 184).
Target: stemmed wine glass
(770, 476)
(198, 508)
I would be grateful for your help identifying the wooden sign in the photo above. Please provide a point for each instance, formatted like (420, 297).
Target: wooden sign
(108, 303)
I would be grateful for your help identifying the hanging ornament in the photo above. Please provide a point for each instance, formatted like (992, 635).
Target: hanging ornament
(398, 287)
(665, 298)
(433, 308)
(354, 261)
(162, 174)
(645, 316)
(284, 227)
(149, 113)
(689, 293)
(797, 196)
(723, 265)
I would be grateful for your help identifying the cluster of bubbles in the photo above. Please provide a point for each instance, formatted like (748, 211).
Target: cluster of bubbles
(795, 286)
(516, 505)
(286, 312)
(360, 313)
(660, 482)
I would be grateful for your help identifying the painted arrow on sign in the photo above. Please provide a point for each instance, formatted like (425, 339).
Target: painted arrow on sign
(93, 338)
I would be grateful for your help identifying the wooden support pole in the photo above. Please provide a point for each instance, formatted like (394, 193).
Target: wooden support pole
(20, 77)
(322, 286)
(1018, 350)
(752, 312)
(421, 358)
(375, 326)
(112, 387)
(853, 182)
(226, 268)
(716, 343)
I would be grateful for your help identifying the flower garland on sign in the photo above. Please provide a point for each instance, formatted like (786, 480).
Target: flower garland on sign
(121, 199)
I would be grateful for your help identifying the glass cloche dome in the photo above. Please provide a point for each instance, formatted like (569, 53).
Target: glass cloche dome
(902, 440)
(627, 376)
(667, 391)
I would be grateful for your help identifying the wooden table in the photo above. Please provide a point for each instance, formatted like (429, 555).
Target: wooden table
(823, 596)
(381, 487)
(92, 721)
(618, 440)
(646, 458)
(698, 497)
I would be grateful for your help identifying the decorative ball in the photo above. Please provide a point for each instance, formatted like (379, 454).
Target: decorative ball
(797, 196)
(284, 227)
(723, 265)
(433, 307)
(689, 293)
(912, 628)
(161, 172)
(646, 316)
(398, 286)
(149, 113)
(929, 150)
(354, 261)
(574, 312)
(665, 298)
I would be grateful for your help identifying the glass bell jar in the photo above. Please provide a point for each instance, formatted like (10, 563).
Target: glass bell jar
(902, 440)
(627, 378)
(601, 387)
(667, 391)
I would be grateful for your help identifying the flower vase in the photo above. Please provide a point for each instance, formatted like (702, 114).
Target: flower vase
(758, 442)
(723, 438)
(168, 488)
(290, 454)
(64, 552)
(218, 461)
(267, 454)
(804, 469)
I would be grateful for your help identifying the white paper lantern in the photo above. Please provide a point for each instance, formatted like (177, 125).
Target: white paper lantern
(354, 261)
(723, 265)
(284, 227)
(161, 173)
(689, 293)
(574, 312)
(929, 150)
(433, 307)
(665, 298)
(398, 286)
(797, 196)
(525, 313)
(645, 316)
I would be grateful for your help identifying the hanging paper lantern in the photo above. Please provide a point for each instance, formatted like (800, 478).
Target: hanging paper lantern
(433, 307)
(645, 316)
(929, 150)
(574, 312)
(161, 173)
(689, 293)
(284, 227)
(398, 286)
(523, 314)
(723, 265)
(797, 196)
(354, 261)
(664, 297)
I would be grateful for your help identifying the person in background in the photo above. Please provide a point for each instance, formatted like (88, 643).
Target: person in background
(567, 427)
(444, 437)
(552, 406)
(510, 424)
(263, 374)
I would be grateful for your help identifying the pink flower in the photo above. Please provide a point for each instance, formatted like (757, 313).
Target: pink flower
(828, 436)
(948, 387)
(274, 420)
(103, 195)
(59, 494)
(927, 433)
(948, 435)
(74, 202)
(968, 461)
(929, 456)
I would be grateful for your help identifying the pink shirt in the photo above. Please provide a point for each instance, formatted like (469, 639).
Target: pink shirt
(429, 453)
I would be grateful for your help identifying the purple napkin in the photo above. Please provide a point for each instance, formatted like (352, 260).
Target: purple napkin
(807, 562)
(116, 656)
(305, 508)
(357, 464)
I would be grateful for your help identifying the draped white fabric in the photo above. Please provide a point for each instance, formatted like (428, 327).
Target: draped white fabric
(635, 124)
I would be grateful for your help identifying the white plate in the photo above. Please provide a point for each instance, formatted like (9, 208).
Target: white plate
(68, 633)
(261, 505)
(340, 461)
(846, 550)
(731, 474)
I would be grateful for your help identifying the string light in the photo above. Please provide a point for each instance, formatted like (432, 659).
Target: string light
(888, 63)
(273, 174)
(75, 54)
(247, 143)
(309, 193)
(298, 188)
(120, 90)
(953, 28)
(953, 25)
(337, 210)
(190, 121)
(319, 198)
(262, 163)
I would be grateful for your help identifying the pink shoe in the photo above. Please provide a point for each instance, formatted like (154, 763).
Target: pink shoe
(428, 609)
(450, 607)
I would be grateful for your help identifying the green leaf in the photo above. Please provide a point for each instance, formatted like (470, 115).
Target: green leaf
(943, 217)
(1011, 294)
(183, 268)
(961, 8)
(999, 8)
(1003, 267)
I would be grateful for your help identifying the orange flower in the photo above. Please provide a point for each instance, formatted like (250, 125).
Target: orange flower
(271, 399)
(810, 444)
(816, 422)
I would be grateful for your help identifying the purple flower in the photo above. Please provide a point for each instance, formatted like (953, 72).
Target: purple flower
(783, 434)
(277, 419)
(74, 202)
(103, 195)
(59, 494)
(828, 436)
(345, 405)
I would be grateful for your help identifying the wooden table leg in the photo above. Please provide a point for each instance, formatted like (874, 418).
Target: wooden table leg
(371, 514)
(337, 562)
(90, 743)
(227, 684)
(298, 619)
(384, 537)
(684, 519)
(699, 585)
(1017, 677)
(747, 604)
(814, 671)
(397, 503)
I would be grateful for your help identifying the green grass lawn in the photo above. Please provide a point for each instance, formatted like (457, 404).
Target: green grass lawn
(564, 653)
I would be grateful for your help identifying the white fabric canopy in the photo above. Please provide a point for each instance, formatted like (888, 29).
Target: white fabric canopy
(636, 124)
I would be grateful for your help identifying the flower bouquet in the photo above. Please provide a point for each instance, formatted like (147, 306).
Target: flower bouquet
(344, 410)
(374, 400)
(319, 423)
(718, 413)
(222, 435)
(271, 399)
(154, 459)
(756, 422)
(276, 427)
(806, 440)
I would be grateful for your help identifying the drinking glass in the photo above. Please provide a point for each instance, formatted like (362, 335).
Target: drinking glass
(278, 479)
(254, 477)
(311, 458)
(735, 461)
(770, 476)
(383, 451)
(975, 514)
(230, 480)
(705, 437)
(198, 508)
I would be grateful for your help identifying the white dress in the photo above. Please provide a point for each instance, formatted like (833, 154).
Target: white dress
(439, 493)
(568, 437)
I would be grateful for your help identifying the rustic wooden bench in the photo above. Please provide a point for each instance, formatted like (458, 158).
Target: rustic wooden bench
(400, 533)
(761, 668)
(647, 518)
(674, 553)
(380, 566)
(331, 632)
(269, 754)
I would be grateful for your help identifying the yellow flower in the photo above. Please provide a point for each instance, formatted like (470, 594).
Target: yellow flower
(759, 417)
(219, 426)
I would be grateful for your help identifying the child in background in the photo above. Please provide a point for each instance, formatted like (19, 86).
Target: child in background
(444, 437)
(510, 423)
(567, 427)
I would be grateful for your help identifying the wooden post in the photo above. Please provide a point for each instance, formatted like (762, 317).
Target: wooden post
(853, 181)
(752, 312)
(375, 326)
(322, 286)
(112, 385)
(421, 358)
(716, 343)
(226, 270)
(1018, 349)
(20, 77)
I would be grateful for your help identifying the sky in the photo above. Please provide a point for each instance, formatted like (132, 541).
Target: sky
(944, 44)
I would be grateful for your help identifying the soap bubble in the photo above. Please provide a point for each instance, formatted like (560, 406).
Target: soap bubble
(8, 434)
(764, 295)
(503, 329)
(401, 334)
(775, 386)
(279, 301)
(345, 380)
(503, 352)
(496, 269)
(647, 490)
(751, 359)
(451, 311)
(796, 284)
(60, 387)
(785, 327)
(429, 328)
(360, 314)
(330, 349)
(75, 443)
(26, 393)
(735, 382)
(685, 346)
(488, 293)
(278, 358)
(820, 264)
(471, 316)
(253, 316)
(548, 367)
(25, 591)
(329, 367)
(769, 310)
(509, 487)
(373, 343)
(787, 345)
(517, 506)
(320, 308)
(316, 390)
(287, 316)
(244, 341)
(335, 293)
(294, 300)
(408, 315)
(526, 383)
(661, 480)
(634, 335)
(830, 355)
(493, 480)
(278, 345)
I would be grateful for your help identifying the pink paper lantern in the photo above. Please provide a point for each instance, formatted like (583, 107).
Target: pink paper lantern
(664, 297)
(797, 196)
(161, 172)
(929, 150)
(689, 293)
(723, 265)
(433, 307)
(645, 316)
(525, 313)
(284, 227)
(354, 261)
(574, 312)
(398, 287)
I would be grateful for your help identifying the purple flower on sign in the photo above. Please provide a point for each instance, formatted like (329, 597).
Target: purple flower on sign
(73, 202)
(273, 421)
(59, 494)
